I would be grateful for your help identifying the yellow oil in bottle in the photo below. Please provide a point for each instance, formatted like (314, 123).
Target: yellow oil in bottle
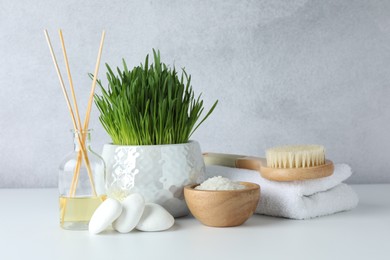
(75, 212)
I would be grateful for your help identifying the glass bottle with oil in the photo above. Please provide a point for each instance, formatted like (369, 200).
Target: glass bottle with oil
(81, 183)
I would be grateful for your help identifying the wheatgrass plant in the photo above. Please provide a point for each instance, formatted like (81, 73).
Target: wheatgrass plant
(149, 105)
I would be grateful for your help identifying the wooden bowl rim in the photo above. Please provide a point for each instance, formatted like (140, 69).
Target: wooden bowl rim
(249, 186)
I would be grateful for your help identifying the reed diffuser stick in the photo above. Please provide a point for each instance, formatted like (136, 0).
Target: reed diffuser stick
(79, 139)
(76, 108)
(90, 101)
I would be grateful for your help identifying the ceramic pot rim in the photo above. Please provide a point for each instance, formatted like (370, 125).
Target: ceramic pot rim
(190, 142)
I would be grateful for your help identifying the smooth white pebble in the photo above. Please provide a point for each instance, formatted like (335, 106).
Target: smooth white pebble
(133, 207)
(155, 218)
(104, 215)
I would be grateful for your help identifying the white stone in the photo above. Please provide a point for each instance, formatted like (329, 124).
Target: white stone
(104, 215)
(155, 218)
(132, 209)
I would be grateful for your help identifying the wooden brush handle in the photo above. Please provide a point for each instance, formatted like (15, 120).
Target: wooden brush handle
(274, 174)
(228, 160)
(234, 160)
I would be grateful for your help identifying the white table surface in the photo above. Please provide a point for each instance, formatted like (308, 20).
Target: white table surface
(30, 230)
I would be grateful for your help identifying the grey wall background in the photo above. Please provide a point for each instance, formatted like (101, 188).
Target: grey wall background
(284, 72)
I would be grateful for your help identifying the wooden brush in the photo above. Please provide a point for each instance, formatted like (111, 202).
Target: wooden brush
(284, 163)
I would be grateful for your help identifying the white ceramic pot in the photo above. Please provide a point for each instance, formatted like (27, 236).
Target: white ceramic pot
(158, 172)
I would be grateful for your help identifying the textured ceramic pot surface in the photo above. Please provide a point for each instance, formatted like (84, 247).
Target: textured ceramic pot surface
(158, 172)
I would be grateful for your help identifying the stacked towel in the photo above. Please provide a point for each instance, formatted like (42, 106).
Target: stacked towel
(298, 199)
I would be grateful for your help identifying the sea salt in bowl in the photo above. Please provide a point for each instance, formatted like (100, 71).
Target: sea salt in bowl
(222, 208)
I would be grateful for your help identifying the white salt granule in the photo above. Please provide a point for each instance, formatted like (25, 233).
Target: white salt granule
(219, 183)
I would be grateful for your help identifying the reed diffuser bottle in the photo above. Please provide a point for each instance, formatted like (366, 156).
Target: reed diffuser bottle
(81, 183)
(81, 178)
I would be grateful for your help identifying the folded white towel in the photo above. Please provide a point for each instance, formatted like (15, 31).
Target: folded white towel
(298, 199)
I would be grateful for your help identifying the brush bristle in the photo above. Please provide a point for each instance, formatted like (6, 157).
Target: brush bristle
(297, 156)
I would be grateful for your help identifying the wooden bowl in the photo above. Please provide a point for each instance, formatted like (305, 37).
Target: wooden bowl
(222, 208)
